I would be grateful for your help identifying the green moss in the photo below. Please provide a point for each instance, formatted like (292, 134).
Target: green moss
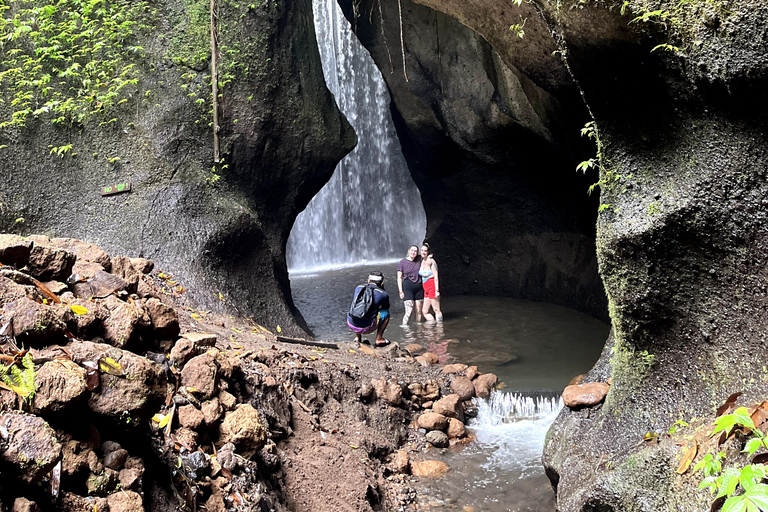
(190, 44)
(653, 208)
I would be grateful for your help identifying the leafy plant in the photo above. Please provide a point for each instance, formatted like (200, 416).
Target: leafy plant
(19, 377)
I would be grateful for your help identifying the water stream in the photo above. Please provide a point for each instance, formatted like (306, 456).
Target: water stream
(370, 209)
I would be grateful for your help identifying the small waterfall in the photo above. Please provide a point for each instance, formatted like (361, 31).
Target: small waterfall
(503, 408)
(370, 209)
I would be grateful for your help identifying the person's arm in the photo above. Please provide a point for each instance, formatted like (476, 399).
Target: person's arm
(437, 282)
(400, 282)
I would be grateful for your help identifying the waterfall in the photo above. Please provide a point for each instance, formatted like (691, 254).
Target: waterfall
(370, 209)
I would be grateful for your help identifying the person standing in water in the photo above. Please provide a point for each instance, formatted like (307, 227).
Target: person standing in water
(430, 284)
(409, 283)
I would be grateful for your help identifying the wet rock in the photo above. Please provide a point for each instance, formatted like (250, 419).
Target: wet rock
(143, 265)
(429, 468)
(48, 263)
(165, 321)
(125, 501)
(116, 459)
(484, 384)
(187, 438)
(123, 322)
(450, 369)
(211, 411)
(32, 449)
(449, 406)
(102, 483)
(131, 398)
(227, 400)
(59, 384)
(455, 429)
(400, 462)
(244, 428)
(577, 380)
(437, 439)
(200, 339)
(84, 251)
(122, 268)
(195, 464)
(200, 374)
(463, 387)
(25, 505)
(432, 421)
(389, 391)
(34, 323)
(70, 502)
(430, 357)
(585, 395)
(471, 372)
(190, 417)
(101, 285)
(414, 348)
(14, 250)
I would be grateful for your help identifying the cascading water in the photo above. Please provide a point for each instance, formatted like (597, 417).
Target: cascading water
(370, 209)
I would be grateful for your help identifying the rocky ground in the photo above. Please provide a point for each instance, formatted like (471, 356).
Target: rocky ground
(118, 394)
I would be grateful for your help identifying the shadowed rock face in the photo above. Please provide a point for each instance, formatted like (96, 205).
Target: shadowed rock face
(491, 140)
(282, 136)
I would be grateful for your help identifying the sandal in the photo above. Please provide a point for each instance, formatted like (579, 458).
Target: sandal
(379, 344)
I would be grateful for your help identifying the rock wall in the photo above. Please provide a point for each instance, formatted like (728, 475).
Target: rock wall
(490, 134)
(224, 238)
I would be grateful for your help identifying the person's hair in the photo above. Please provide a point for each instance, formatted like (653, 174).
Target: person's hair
(429, 254)
(376, 278)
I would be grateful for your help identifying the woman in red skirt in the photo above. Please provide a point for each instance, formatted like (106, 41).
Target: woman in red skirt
(431, 284)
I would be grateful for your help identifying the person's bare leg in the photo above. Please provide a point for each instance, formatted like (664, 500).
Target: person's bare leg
(408, 305)
(419, 306)
(380, 332)
(436, 307)
(425, 311)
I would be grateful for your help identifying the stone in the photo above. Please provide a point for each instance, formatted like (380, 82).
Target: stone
(116, 459)
(227, 400)
(190, 417)
(25, 505)
(84, 251)
(101, 285)
(122, 268)
(48, 263)
(187, 438)
(432, 421)
(75, 457)
(390, 392)
(165, 321)
(182, 352)
(455, 429)
(200, 339)
(32, 447)
(102, 483)
(35, 323)
(437, 439)
(422, 361)
(245, 429)
(585, 395)
(11, 291)
(130, 479)
(59, 385)
(484, 384)
(429, 468)
(143, 265)
(463, 387)
(70, 502)
(471, 372)
(211, 411)
(56, 287)
(426, 391)
(430, 357)
(400, 462)
(577, 380)
(124, 321)
(368, 350)
(449, 406)
(125, 501)
(14, 250)
(414, 348)
(85, 270)
(450, 369)
(200, 374)
(130, 399)
(88, 324)
(227, 458)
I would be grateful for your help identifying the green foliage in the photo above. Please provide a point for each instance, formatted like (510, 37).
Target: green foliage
(69, 59)
(20, 378)
(607, 175)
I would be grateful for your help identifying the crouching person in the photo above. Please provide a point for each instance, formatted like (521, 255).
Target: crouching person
(369, 311)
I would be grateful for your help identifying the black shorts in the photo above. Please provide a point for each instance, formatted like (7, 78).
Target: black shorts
(411, 290)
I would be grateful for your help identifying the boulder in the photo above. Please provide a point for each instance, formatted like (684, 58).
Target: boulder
(124, 321)
(14, 250)
(455, 429)
(56, 287)
(10, 291)
(122, 268)
(585, 395)
(200, 339)
(244, 428)
(200, 374)
(400, 462)
(449, 406)
(187, 438)
(101, 285)
(183, 351)
(450, 369)
(129, 398)
(471, 372)
(115, 459)
(227, 400)
(414, 348)
(32, 447)
(165, 321)
(424, 392)
(59, 385)
(390, 392)
(484, 384)
(211, 411)
(85, 270)
(431, 357)
(437, 439)
(24, 505)
(463, 387)
(429, 468)
(35, 323)
(48, 263)
(70, 502)
(577, 380)
(75, 455)
(84, 251)
(89, 324)
(190, 417)
(143, 265)
(103, 482)
(125, 501)
(130, 479)
(432, 421)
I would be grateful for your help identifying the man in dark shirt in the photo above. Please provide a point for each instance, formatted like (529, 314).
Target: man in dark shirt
(377, 318)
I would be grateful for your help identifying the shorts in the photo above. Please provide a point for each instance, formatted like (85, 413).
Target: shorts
(380, 317)
(412, 291)
(429, 288)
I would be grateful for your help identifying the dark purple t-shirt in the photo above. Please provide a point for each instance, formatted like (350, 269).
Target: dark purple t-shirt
(410, 269)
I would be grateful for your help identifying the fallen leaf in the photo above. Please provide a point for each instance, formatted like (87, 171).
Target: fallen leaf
(195, 315)
(279, 329)
(687, 459)
(78, 310)
(729, 402)
(110, 366)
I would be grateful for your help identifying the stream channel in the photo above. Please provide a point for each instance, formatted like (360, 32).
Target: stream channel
(535, 348)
